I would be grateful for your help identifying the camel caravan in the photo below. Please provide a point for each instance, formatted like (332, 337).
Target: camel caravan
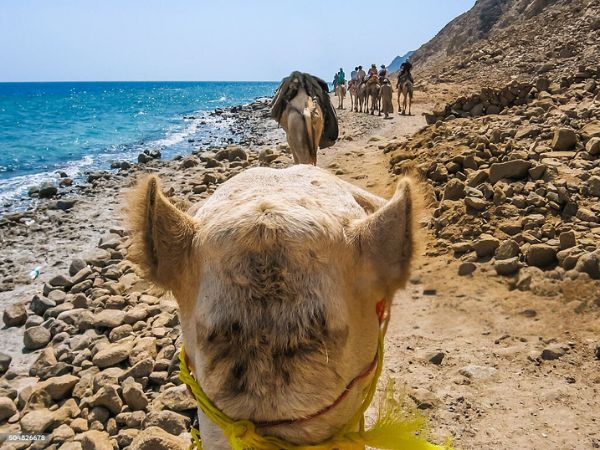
(372, 90)
(284, 280)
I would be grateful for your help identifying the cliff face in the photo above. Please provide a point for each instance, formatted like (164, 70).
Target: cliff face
(500, 40)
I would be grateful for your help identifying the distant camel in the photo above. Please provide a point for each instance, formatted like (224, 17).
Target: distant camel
(405, 87)
(363, 97)
(340, 90)
(373, 93)
(353, 89)
(303, 109)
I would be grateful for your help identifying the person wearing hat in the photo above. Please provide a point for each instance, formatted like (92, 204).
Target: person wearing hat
(382, 73)
(360, 75)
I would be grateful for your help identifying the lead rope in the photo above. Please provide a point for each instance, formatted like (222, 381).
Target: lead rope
(393, 429)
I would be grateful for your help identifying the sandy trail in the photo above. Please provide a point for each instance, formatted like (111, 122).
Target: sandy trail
(491, 390)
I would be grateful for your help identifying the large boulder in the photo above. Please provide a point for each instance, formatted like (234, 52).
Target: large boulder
(36, 337)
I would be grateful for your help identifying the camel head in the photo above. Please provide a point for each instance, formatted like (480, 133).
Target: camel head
(277, 277)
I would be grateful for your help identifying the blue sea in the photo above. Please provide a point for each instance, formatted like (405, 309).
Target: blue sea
(75, 127)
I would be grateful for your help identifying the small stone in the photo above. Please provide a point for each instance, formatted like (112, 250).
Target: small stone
(486, 245)
(476, 372)
(589, 263)
(552, 352)
(541, 255)
(109, 318)
(594, 186)
(423, 398)
(7, 408)
(454, 190)
(506, 267)
(96, 440)
(514, 169)
(508, 249)
(47, 190)
(108, 397)
(155, 438)
(169, 421)
(60, 281)
(36, 337)
(15, 315)
(476, 203)
(567, 239)
(134, 395)
(593, 146)
(564, 139)
(178, 399)
(466, 268)
(76, 266)
(435, 357)
(189, 161)
(5, 361)
(39, 305)
(112, 355)
(586, 215)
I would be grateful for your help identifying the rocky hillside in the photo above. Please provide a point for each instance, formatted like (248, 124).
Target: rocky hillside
(516, 184)
(501, 40)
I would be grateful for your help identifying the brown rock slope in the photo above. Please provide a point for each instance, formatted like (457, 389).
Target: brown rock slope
(501, 40)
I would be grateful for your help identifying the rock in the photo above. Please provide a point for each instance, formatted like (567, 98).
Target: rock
(96, 440)
(15, 315)
(267, 155)
(108, 397)
(169, 421)
(591, 130)
(466, 268)
(476, 372)
(476, 203)
(541, 255)
(37, 421)
(486, 245)
(47, 190)
(39, 305)
(44, 362)
(58, 387)
(109, 318)
(589, 263)
(567, 239)
(134, 395)
(154, 438)
(423, 398)
(112, 355)
(141, 369)
(60, 281)
(178, 399)
(76, 266)
(36, 337)
(5, 361)
(64, 204)
(564, 139)
(594, 186)
(553, 351)
(593, 146)
(435, 357)
(586, 215)
(508, 249)
(63, 433)
(514, 169)
(537, 172)
(454, 190)
(189, 161)
(7, 408)
(505, 267)
(143, 158)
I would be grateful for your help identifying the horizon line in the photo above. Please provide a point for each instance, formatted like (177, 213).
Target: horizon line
(141, 81)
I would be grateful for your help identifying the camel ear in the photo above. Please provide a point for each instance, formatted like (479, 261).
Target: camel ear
(385, 240)
(162, 235)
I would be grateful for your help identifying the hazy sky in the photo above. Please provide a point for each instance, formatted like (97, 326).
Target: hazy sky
(51, 40)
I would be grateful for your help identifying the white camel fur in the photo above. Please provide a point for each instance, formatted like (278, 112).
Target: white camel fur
(277, 276)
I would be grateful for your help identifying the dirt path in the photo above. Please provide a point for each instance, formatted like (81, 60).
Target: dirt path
(492, 390)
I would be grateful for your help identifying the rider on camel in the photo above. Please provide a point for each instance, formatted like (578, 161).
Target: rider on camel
(382, 74)
(372, 74)
(405, 74)
(361, 75)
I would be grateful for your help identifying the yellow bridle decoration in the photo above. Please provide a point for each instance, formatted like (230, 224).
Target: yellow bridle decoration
(396, 427)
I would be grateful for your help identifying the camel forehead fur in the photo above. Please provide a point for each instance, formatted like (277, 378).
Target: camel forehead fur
(298, 208)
